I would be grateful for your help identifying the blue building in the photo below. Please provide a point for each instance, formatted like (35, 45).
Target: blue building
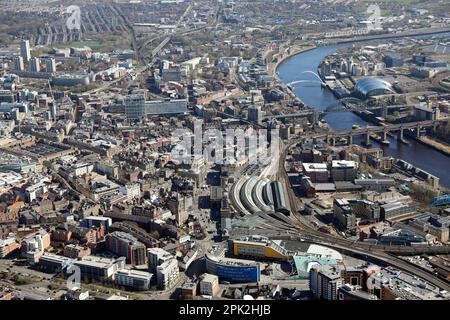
(393, 60)
(232, 270)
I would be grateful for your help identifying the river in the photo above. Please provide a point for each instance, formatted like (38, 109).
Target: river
(314, 95)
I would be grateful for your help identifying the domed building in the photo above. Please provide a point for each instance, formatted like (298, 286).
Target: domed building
(370, 87)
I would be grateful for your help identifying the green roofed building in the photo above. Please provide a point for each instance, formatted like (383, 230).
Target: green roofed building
(303, 264)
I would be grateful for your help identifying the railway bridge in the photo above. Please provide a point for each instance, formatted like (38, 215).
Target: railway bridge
(384, 130)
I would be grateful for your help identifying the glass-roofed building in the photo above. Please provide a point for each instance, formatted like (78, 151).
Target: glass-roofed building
(370, 87)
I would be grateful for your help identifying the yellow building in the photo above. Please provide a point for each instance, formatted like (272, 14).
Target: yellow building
(263, 248)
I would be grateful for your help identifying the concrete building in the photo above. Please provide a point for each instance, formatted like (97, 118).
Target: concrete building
(393, 284)
(7, 246)
(348, 212)
(94, 221)
(342, 170)
(396, 210)
(209, 285)
(35, 65)
(18, 63)
(317, 172)
(50, 65)
(136, 106)
(393, 60)
(325, 281)
(53, 263)
(425, 112)
(134, 279)
(70, 80)
(433, 224)
(156, 257)
(189, 290)
(98, 268)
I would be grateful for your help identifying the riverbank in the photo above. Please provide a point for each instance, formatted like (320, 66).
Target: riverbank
(435, 144)
(293, 52)
(273, 67)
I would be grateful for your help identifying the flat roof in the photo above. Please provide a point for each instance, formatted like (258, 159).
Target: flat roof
(315, 167)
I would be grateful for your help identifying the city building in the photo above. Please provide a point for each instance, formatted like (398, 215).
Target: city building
(53, 263)
(343, 170)
(189, 290)
(325, 281)
(393, 284)
(134, 279)
(76, 251)
(167, 274)
(156, 257)
(25, 50)
(424, 112)
(393, 60)
(70, 80)
(316, 172)
(232, 270)
(259, 247)
(98, 268)
(348, 213)
(136, 106)
(209, 285)
(354, 293)
(255, 114)
(370, 87)
(50, 65)
(8, 246)
(433, 224)
(18, 63)
(96, 221)
(397, 210)
(35, 64)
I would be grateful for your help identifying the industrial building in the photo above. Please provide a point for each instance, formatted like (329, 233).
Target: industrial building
(279, 198)
(342, 170)
(209, 285)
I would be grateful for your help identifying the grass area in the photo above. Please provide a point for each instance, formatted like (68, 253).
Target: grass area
(99, 288)
(299, 42)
